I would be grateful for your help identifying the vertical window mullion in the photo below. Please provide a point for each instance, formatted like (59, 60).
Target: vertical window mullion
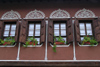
(10, 30)
(85, 29)
(59, 29)
(34, 30)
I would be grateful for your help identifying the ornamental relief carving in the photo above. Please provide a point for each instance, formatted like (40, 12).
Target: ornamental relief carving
(36, 14)
(11, 15)
(59, 14)
(84, 13)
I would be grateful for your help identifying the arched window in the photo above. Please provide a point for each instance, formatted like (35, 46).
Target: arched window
(60, 25)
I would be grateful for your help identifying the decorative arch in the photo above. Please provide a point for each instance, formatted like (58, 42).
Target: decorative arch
(59, 14)
(11, 15)
(36, 14)
(84, 13)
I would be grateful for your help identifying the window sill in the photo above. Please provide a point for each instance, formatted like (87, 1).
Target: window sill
(60, 45)
(87, 45)
(35, 45)
(8, 45)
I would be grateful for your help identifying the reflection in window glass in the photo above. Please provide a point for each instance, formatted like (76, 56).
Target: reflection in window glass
(13, 27)
(34, 30)
(89, 32)
(37, 26)
(56, 32)
(37, 32)
(63, 26)
(31, 26)
(82, 32)
(56, 26)
(85, 29)
(6, 33)
(12, 33)
(9, 30)
(82, 26)
(7, 27)
(30, 33)
(63, 32)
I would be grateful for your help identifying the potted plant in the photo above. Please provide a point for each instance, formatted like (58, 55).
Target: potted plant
(89, 41)
(59, 40)
(31, 41)
(7, 41)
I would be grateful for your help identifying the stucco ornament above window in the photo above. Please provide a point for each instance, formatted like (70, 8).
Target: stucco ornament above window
(59, 14)
(36, 14)
(84, 13)
(11, 15)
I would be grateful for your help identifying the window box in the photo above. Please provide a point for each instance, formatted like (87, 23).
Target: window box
(59, 43)
(87, 45)
(89, 41)
(65, 45)
(7, 42)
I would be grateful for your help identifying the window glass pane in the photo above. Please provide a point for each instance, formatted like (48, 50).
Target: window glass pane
(63, 32)
(13, 27)
(64, 39)
(37, 26)
(31, 26)
(82, 32)
(7, 27)
(30, 33)
(12, 33)
(56, 26)
(63, 26)
(37, 32)
(88, 26)
(38, 39)
(6, 33)
(82, 26)
(56, 32)
(89, 32)
(82, 38)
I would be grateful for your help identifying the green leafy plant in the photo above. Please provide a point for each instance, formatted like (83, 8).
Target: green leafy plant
(89, 40)
(54, 47)
(59, 39)
(7, 41)
(31, 41)
(1, 41)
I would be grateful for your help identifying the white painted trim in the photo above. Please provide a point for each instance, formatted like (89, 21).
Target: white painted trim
(18, 52)
(84, 13)
(60, 45)
(35, 45)
(59, 14)
(50, 60)
(87, 45)
(36, 14)
(8, 45)
(46, 40)
(74, 54)
(11, 15)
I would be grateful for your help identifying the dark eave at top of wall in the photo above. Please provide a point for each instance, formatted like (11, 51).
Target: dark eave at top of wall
(55, 1)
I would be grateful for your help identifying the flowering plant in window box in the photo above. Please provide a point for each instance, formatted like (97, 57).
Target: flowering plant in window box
(31, 41)
(89, 41)
(7, 41)
(59, 40)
